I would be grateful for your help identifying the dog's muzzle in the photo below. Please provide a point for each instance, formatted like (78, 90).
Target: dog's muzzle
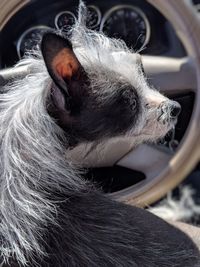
(169, 111)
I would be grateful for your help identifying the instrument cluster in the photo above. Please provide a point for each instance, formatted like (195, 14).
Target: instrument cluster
(143, 28)
(126, 22)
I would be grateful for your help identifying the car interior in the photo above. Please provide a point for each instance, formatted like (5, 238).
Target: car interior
(169, 52)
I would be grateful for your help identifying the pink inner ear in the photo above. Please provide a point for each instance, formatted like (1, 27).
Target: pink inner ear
(65, 64)
(64, 70)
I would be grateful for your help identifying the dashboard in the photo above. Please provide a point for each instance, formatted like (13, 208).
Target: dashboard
(140, 25)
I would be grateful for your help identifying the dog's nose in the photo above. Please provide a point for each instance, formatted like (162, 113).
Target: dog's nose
(170, 108)
(175, 109)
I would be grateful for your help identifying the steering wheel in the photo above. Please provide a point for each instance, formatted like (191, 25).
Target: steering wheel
(163, 170)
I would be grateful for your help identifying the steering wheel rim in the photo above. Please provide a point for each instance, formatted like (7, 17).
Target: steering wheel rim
(187, 26)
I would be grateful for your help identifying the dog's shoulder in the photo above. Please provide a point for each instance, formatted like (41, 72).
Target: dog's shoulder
(100, 232)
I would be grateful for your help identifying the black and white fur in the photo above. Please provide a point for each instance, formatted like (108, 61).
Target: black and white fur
(50, 216)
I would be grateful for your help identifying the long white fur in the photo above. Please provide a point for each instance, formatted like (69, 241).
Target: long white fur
(32, 163)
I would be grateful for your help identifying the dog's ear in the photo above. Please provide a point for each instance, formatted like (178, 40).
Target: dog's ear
(61, 62)
(66, 72)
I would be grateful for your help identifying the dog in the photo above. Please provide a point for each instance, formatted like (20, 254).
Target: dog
(84, 88)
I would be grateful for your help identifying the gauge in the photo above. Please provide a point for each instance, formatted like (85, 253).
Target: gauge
(93, 17)
(30, 39)
(128, 23)
(64, 20)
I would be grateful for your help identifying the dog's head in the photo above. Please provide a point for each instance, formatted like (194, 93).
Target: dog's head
(99, 90)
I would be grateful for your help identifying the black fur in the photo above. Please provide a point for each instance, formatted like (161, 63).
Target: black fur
(95, 231)
(93, 120)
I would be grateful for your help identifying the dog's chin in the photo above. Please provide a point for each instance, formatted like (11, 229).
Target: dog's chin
(152, 133)
(165, 130)
(170, 126)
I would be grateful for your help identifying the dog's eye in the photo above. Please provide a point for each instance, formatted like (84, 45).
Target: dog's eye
(133, 103)
(130, 98)
(147, 105)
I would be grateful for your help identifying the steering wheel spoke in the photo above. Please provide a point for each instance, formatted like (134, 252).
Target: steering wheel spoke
(148, 159)
(170, 75)
(11, 74)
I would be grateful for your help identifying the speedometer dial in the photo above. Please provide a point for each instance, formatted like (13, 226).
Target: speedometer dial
(128, 23)
(30, 39)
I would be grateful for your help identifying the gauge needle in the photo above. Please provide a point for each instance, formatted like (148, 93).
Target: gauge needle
(124, 28)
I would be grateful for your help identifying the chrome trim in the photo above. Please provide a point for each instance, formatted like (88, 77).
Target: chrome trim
(19, 42)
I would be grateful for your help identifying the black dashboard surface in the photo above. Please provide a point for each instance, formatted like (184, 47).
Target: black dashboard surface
(162, 39)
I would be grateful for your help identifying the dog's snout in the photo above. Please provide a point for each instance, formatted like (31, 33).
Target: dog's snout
(169, 111)
(175, 109)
